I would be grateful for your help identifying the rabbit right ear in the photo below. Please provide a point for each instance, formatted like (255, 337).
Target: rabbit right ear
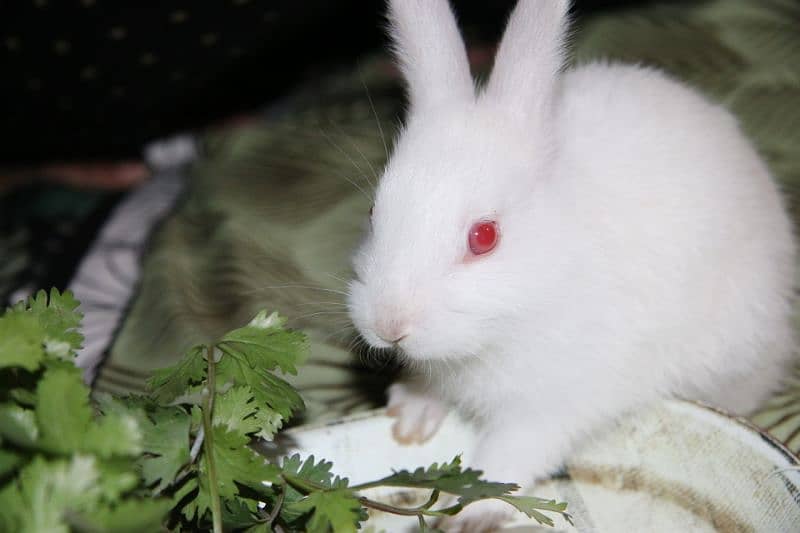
(530, 57)
(430, 52)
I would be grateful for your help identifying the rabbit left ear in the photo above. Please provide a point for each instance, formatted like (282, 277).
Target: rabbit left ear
(529, 58)
(430, 52)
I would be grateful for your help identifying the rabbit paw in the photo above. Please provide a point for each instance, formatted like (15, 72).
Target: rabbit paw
(417, 414)
(478, 517)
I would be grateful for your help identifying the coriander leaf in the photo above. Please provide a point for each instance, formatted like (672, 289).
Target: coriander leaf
(236, 411)
(189, 509)
(11, 505)
(117, 477)
(239, 513)
(166, 446)
(8, 462)
(66, 422)
(114, 435)
(265, 344)
(450, 478)
(235, 463)
(21, 340)
(171, 382)
(62, 410)
(335, 510)
(23, 397)
(45, 492)
(59, 319)
(18, 425)
(129, 516)
(269, 391)
(316, 473)
(532, 507)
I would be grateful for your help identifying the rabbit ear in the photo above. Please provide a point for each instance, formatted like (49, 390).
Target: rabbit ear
(430, 52)
(530, 57)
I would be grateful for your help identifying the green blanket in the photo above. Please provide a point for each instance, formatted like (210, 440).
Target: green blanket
(272, 212)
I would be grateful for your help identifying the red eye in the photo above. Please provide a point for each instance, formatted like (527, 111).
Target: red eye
(483, 237)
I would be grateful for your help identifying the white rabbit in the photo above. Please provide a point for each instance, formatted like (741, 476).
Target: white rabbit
(560, 247)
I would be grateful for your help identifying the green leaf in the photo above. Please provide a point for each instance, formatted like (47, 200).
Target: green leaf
(335, 510)
(59, 319)
(66, 423)
(236, 463)
(130, 516)
(269, 391)
(9, 461)
(265, 344)
(308, 471)
(45, 492)
(236, 411)
(62, 410)
(18, 425)
(21, 340)
(318, 473)
(166, 446)
(23, 397)
(11, 505)
(169, 383)
(532, 507)
(450, 478)
(189, 508)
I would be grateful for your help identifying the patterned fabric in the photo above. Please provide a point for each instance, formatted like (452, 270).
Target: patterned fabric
(271, 213)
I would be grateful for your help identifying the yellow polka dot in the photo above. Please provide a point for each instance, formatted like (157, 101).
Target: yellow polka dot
(12, 43)
(178, 17)
(209, 39)
(118, 33)
(148, 59)
(88, 72)
(61, 47)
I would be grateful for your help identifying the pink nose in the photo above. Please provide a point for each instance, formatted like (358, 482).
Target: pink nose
(391, 330)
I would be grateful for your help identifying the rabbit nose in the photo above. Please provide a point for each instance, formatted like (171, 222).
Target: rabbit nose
(392, 330)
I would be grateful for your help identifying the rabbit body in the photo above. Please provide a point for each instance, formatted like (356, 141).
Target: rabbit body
(644, 250)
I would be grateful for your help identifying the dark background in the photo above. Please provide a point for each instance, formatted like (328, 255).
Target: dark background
(96, 79)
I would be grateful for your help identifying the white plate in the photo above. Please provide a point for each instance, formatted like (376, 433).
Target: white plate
(678, 467)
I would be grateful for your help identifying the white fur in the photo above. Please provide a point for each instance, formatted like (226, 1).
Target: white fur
(644, 251)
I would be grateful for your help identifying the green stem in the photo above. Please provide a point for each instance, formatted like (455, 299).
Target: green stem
(386, 508)
(208, 443)
(307, 487)
(277, 508)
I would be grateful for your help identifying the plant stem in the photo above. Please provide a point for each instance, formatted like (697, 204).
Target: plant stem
(208, 443)
(386, 508)
(277, 508)
(307, 487)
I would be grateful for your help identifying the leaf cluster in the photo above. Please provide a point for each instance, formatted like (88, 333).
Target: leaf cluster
(180, 457)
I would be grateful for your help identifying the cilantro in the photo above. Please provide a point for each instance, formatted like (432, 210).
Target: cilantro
(180, 457)
(21, 341)
(334, 510)
(18, 425)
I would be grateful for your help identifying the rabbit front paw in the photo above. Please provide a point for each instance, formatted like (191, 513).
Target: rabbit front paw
(418, 415)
